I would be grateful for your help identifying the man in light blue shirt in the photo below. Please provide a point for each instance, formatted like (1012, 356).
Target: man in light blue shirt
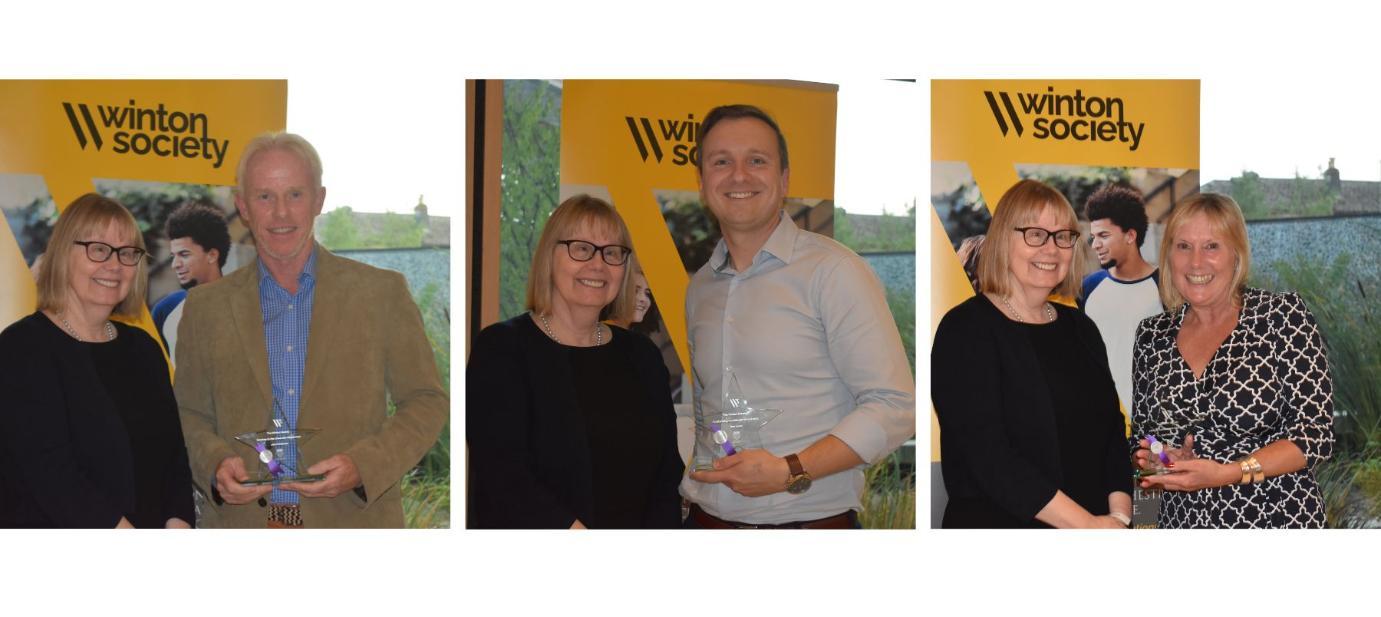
(802, 323)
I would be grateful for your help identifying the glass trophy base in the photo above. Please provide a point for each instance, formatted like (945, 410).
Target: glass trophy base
(283, 480)
(1158, 471)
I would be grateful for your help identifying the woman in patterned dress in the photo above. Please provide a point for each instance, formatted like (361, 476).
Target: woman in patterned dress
(1233, 380)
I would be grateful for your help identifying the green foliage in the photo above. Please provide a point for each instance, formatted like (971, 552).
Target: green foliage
(884, 233)
(426, 502)
(1304, 197)
(889, 496)
(427, 488)
(903, 307)
(1350, 319)
(336, 230)
(529, 182)
(844, 229)
(343, 229)
(1248, 192)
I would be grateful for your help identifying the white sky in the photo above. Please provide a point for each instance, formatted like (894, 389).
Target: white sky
(385, 140)
(385, 167)
(1276, 122)
(881, 160)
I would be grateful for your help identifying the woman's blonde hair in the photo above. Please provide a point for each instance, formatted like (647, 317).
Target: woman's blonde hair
(580, 211)
(88, 215)
(1021, 206)
(1225, 217)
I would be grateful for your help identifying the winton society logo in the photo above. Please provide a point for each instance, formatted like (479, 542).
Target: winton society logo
(1056, 116)
(668, 137)
(146, 131)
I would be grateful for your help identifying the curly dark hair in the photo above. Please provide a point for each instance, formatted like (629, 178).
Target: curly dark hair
(1122, 205)
(204, 224)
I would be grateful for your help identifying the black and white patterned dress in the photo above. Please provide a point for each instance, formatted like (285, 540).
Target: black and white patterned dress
(1268, 381)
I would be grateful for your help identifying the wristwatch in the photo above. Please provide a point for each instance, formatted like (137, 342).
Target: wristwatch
(799, 481)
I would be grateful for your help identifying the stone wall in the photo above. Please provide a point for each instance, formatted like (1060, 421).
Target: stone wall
(419, 266)
(1318, 240)
(896, 270)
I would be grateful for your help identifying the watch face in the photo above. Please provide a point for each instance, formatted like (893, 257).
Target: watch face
(799, 485)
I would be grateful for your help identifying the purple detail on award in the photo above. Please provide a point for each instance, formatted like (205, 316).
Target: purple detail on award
(722, 438)
(267, 457)
(1158, 449)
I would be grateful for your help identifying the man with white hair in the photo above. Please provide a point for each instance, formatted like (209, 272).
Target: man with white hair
(303, 339)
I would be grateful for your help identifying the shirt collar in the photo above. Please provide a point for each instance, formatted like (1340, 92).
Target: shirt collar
(305, 278)
(781, 244)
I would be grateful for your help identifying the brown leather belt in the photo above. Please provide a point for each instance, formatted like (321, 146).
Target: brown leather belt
(847, 520)
(285, 516)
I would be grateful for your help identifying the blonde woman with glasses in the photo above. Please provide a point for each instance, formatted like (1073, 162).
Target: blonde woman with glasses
(89, 430)
(569, 419)
(1031, 434)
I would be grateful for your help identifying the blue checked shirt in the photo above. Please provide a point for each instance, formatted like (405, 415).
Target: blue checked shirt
(287, 322)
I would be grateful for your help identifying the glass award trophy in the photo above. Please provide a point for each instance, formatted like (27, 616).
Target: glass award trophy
(1159, 459)
(277, 452)
(735, 426)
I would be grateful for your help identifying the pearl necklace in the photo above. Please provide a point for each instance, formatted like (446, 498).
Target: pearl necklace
(599, 332)
(1049, 311)
(109, 330)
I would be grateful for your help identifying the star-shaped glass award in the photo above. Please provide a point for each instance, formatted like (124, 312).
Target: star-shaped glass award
(736, 425)
(277, 452)
(1159, 459)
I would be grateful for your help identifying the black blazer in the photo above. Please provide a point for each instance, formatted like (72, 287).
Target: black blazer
(529, 458)
(998, 439)
(65, 453)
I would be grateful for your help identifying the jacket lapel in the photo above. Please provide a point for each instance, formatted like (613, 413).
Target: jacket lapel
(327, 298)
(249, 325)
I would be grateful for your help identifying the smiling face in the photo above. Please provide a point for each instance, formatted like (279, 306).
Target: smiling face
(192, 264)
(584, 285)
(1202, 263)
(102, 285)
(742, 180)
(279, 202)
(642, 297)
(1110, 243)
(1038, 267)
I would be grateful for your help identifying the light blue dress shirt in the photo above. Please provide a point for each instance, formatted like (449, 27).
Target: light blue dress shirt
(287, 322)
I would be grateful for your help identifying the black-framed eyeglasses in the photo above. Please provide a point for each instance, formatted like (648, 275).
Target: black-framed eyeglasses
(1038, 236)
(612, 254)
(100, 252)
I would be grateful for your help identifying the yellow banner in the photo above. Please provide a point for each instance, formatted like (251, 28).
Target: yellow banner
(993, 126)
(637, 137)
(72, 132)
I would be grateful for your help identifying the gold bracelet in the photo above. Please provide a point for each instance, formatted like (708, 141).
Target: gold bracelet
(1246, 471)
(1258, 474)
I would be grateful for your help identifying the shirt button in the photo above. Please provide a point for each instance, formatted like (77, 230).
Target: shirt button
(290, 348)
(290, 307)
(291, 391)
(729, 369)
